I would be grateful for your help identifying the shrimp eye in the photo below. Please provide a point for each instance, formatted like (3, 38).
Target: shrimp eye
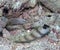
(45, 26)
(48, 15)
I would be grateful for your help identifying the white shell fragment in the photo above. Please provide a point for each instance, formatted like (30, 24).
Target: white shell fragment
(17, 5)
(40, 10)
(32, 3)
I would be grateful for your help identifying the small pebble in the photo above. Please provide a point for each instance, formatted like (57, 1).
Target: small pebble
(6, 33)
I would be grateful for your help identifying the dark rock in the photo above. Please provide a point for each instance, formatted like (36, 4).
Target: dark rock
(5, 10)
(1, 34)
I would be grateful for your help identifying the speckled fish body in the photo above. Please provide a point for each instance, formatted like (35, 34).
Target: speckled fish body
(16, 21)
